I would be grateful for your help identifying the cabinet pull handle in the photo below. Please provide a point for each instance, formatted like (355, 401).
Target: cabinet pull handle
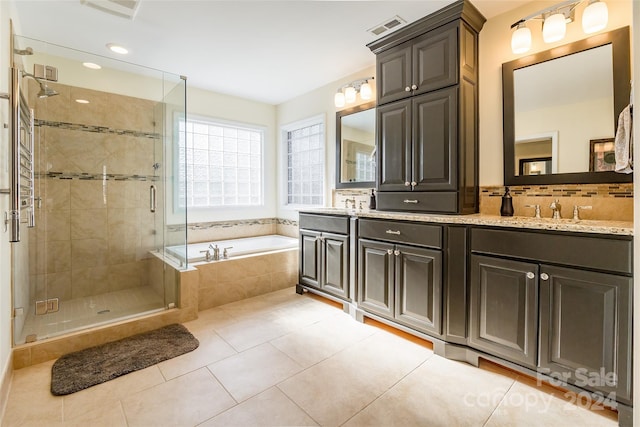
(407, 183)
(397, 233)
(396, 252)
(407, 89)
(411, 201)
(414, 87)
(530, 275)
(544, 276)
(390, 251)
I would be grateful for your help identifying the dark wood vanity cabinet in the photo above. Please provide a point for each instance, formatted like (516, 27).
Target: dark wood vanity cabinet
(427, 113)
(324, 253)
(423, 64)
(398, 281)
(557, 303)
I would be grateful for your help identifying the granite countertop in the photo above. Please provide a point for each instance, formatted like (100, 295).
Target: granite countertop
(620, 228)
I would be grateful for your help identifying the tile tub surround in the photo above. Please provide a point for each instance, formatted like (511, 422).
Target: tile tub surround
(613, 202)
(226, 230)
(287, 359)
(238, 278)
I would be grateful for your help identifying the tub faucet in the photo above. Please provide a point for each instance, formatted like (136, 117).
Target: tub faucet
(207, 255)
(225, 253)
(555, 207)
(216, 251)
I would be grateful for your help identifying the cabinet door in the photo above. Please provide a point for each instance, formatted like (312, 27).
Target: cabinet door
(394, 146)
(585, 329)
(419, 288)
(310, 257)
(393, 70)
(335, 264)
(435, 59)
(435, 140)
(375, 277)
(503, 311)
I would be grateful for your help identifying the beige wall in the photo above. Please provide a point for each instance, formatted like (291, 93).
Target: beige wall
(319, 101)
(495, 49)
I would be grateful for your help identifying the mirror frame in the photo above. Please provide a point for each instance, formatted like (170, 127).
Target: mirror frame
(619, 40)
(339, 115)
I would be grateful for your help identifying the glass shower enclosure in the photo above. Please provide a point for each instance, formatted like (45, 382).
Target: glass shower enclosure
(103, 178)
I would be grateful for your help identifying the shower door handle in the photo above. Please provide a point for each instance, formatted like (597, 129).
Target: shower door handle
(153, 204)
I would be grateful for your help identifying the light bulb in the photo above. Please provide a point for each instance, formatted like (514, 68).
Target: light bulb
(595, 17)
(554, 28)
(338, 99)
(365, 91)
(521, 39)
(350, 94)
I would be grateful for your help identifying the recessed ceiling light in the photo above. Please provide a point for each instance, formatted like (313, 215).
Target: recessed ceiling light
(117, 48)
(91, 65)
(82, 101)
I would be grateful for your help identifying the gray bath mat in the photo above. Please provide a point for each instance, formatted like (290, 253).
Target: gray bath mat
(82, 369)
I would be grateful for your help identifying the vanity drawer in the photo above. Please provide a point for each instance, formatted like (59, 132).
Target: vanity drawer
(327, 223)
(401, 232)
(601, 253)
(408, 201)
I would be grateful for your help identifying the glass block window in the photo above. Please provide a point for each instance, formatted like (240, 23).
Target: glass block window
(224, 164)
(305, 163)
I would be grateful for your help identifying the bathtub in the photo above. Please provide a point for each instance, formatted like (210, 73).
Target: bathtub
(244, 246)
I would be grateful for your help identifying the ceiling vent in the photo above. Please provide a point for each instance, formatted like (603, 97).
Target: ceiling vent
(387, 25)
(122, 8)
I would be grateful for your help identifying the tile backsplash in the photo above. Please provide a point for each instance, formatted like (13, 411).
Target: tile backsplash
(613, 202)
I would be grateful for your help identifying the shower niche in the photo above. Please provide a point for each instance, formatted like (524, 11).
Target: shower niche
(103, 178)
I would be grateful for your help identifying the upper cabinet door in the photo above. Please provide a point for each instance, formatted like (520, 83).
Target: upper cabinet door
(393, 70)
(394, 146)
(435, 60)
(435, 139)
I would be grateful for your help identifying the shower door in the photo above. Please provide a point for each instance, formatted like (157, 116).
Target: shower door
(95, 254)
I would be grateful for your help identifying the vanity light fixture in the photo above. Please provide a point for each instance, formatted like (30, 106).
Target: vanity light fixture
(347, 94)
(554, 22)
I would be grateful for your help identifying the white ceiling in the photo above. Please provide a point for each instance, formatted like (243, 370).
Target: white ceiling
(268, 51)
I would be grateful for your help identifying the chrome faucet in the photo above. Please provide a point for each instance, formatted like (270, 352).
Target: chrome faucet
(536, 213)
(352, 201)
(207, 255)
(216, 251)
(576, 211)
(556, 207)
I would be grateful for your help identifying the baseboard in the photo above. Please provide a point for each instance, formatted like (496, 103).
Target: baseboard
(5, 384)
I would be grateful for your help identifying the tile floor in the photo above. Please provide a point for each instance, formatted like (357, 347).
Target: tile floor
(284, 359)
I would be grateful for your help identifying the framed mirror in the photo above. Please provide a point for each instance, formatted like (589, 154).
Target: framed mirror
(356, 147)
(556, 102)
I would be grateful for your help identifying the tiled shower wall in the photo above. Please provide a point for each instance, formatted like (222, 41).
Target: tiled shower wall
(93, 171)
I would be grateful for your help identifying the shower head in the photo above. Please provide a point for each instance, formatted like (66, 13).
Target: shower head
(25, 51)
(45, 91)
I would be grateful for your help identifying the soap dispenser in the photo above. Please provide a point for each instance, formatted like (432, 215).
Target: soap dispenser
(506, 209)
(372, 200)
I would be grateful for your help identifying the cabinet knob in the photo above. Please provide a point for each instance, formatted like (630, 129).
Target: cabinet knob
(407, 89)
(544, 276)
(407, 183)
(413, 183)
(530, 275)
(414, 87)
(396, 252)
(390, 251)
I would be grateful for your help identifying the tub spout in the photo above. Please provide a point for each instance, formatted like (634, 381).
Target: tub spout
(216, 251)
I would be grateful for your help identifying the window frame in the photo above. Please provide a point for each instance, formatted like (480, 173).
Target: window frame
(284, 130)
(228, 123)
